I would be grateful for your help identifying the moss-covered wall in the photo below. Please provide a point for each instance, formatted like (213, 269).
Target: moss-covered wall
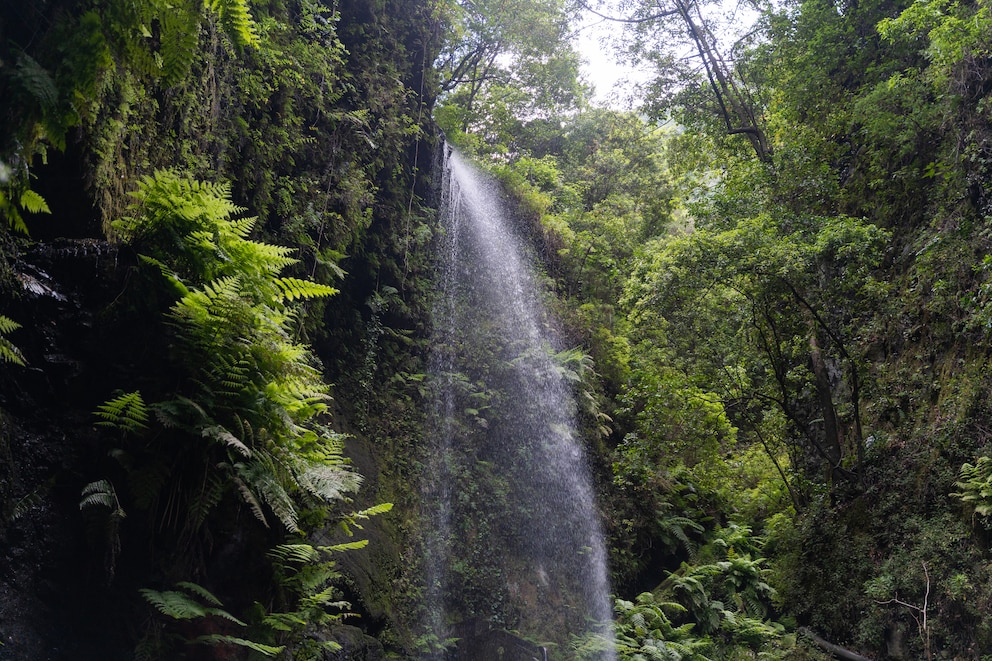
(321, 124)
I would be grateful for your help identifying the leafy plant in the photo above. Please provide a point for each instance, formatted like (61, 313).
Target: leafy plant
(975, 483)
(100, 501)
(257, 394)
(191, 601)
(126, 412)
(8, 352)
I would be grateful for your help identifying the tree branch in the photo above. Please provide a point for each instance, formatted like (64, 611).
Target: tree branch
(836, 650)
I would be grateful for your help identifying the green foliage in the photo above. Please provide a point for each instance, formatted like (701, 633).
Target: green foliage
(102, 493)
(194, 602)
(16, 200)
(126, 412)
(502, 61)
(975, 483)
(236, 19)
(644, 631)
(8, 352)
(254, 394)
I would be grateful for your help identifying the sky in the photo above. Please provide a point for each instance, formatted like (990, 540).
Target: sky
(613, 79)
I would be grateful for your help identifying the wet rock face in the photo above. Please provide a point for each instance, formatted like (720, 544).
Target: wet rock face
(51, 602)
(355, 645)
(479, 641)
(40, 570)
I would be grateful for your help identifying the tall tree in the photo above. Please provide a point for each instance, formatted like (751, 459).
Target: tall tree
(507, 61)
(686, 44)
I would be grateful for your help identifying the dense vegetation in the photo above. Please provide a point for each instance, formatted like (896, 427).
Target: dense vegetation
(777, 270)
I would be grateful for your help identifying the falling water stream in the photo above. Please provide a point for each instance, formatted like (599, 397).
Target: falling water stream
(513, 537)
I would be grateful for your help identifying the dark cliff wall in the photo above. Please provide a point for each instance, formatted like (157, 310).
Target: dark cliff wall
(322, 127)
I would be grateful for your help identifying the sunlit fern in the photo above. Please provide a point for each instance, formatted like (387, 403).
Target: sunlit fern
(126, 412)
(8, 352)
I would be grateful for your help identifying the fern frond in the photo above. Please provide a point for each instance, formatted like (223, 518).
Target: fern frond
(258, 262)
(284, 621)
(381, 508)
(200, 591)
(346, 546)
(181, 413)
(31, 201)
(236, 19)
(10, 353)
(101, 493)
(295, 288)
(242, 227)
(218, 433)
(126, 412)
(7, 325)
(260, 478)
(202, 504)
(36, 81)
(222, 639)
(182, 606)
(249, 498)
(174, 604)
(287, 553)
(313, 581)
(23, 505)
(327, 483)
(179, 30)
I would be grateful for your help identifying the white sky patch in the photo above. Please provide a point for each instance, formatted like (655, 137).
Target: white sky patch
(599, 43)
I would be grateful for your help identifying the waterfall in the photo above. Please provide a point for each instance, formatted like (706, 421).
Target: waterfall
(513, 535)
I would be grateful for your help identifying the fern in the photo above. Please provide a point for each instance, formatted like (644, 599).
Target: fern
(223, 436)
(37, 82)
(105, 514)
(33, 203)
(294, 288)
(221, 639)
(101, 493)
(184, 606)
(192, 601)
(18, 508)
(289, 553)
(236, 19)
(249, 498)
(178, 38)
(976, 487)
(126, 412)
(201, 504)
(353, 519)
(260, 479)
(8, 352)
